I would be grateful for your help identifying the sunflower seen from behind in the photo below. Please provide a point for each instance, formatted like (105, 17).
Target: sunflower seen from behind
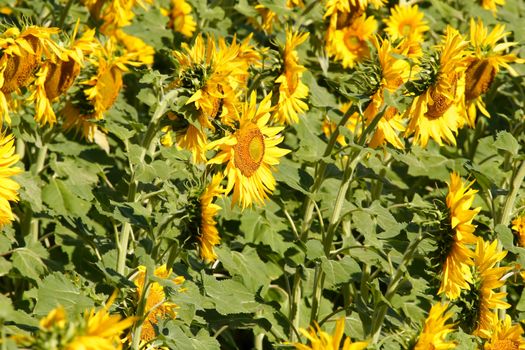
(251, 154)
(8, 187)
(438, 108)
(292, 91)
(453, 244)
(479, 304)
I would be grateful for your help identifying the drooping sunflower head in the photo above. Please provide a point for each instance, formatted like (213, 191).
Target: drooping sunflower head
(351, 44)
(436, 328)
(480, 303)
(406, 22)
(251, 153)
(155, 301)
(321, 340)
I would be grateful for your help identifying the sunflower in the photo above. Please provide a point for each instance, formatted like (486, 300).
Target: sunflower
(484, 63)
(212, 77)
(21, 55)
(438, 110)
(292, 91)
(435, 331)
(350, 44)
(505, 336)
(456, 273)
(393, 73)
(115, 13)
(406, 22)
(155, 305)
(320, 340)
(102, 331)
(57, 74)
(95, 95)
(480, 303)
(181, 19)
(8, 187)
(251, 153)
(209, 236)
(518, 225)
(492, 4)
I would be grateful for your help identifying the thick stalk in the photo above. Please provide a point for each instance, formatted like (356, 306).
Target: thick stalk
(380, 311)
(132, 189)
(511, 198)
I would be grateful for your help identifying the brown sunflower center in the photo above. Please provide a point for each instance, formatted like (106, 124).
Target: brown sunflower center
(479, 76)
(441, 102)
(506, 344)
(352, 42)
(249, 150)
(60, 77)
(20, 69)
(109, 85)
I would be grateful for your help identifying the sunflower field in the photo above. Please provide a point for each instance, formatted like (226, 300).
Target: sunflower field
(262, 174)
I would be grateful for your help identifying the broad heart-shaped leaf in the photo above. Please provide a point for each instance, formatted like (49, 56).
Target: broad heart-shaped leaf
(28, 260)
(505, 141)
(58, 196)
(56, 289)
(229, 296)
(179, 338)
(244, 264)
(30, 190)
(290, 174)
(7, 309)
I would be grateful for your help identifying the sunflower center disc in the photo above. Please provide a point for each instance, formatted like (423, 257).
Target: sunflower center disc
(406, 29)
(479, 77)
(249, 150)
(352, 42)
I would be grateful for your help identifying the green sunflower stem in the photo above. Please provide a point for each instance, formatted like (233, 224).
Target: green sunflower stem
(147, 140)
(380, 312)
(511, 198)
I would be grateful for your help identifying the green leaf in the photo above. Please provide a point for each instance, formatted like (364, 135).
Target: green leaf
(58, 197)
(506, 142)
(28, 261)
(56, 289)
(229, 296)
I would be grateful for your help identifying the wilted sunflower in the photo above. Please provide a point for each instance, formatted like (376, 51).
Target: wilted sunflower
(209, 236)
(180, 16)
(438, 109)
(58, 73)
(480, 303)
(350, 44)
(505, 336)
(251, 153)
(453, 245)
(292, 91)
(212, 78)
(320, 340)
(8, 187)
(21, 55)
(393, 72)
(156, 306)
(435, 331)
(487, 56)
(518, 225)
